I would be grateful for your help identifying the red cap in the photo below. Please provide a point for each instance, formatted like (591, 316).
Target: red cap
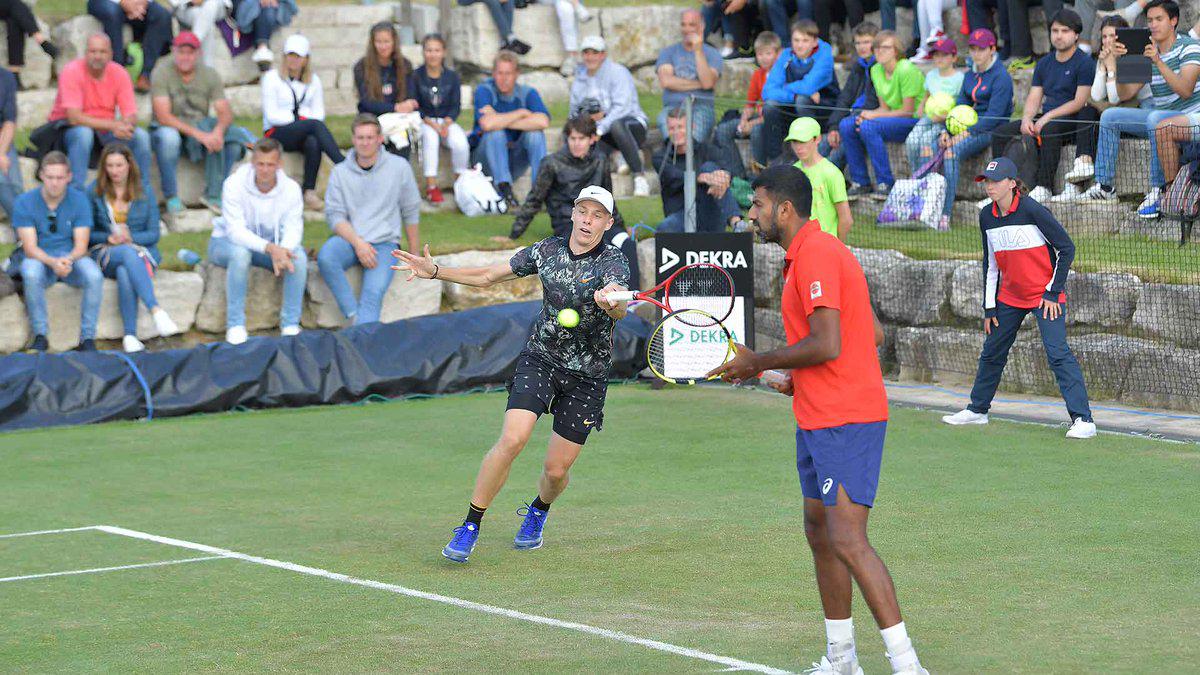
(982, 37)
(945, 46)
(186, 38)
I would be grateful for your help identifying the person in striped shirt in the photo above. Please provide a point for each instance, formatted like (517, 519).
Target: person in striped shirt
(1026, 258)
(1175, 86)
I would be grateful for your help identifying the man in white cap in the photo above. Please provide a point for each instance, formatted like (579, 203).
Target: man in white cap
(564, 367)
(604, 90)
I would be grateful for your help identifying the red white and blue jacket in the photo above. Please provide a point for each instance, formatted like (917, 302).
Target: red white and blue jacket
(1027, 255)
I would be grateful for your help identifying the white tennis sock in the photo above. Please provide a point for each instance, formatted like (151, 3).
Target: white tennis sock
(839, 630)
(900, 649)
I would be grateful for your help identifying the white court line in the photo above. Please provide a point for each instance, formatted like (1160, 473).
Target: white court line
(94, 570)
(38, 532)
(616, 636)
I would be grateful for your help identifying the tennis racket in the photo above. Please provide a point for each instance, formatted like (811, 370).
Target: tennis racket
(686, 345)
(702, 286)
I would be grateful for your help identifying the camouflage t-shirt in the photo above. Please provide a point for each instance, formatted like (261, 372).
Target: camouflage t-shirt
(570, 280)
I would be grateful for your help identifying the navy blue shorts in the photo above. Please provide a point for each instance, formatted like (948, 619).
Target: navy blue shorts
(848, 455)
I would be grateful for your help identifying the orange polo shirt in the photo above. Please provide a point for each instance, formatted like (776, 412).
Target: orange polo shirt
(821, 272)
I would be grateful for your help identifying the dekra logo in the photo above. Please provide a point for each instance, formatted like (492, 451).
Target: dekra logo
(727, 259)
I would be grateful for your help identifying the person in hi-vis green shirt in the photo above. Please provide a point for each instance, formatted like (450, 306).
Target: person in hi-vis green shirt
(829, 205)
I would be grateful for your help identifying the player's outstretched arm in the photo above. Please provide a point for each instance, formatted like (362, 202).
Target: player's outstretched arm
(425, 267)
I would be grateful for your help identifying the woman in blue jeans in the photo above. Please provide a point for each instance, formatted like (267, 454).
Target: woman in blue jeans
(502, 16)
(124, 240)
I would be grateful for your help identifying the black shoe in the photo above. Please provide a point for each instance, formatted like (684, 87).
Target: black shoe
(515, 45)
(40, 343)
(88, 345)
(20, 84)
(50, 49)
(506, 193)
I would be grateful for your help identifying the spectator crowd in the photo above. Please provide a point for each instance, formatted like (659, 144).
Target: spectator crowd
(796, 110)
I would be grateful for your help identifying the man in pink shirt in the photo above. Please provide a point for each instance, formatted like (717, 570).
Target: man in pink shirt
(90, 92)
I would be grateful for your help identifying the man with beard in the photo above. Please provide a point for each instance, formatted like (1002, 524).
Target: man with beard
(831, 371)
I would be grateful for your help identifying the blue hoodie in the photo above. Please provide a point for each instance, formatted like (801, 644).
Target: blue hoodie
(793, 76)
(990, 93)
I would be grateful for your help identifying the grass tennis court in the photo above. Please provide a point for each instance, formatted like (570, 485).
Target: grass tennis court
(1013, 550)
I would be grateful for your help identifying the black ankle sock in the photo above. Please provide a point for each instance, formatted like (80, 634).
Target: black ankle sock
(475, 514)
(539, 504)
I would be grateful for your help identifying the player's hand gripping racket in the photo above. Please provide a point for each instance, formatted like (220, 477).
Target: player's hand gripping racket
(701, 286)
(686, 345)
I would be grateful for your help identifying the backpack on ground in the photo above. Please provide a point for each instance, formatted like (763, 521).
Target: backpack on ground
(1181, 201)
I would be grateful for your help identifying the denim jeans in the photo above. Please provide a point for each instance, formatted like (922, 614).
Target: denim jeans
(704, 117)
(1135, 122)
(80, 140)
(869, 138)
(966, 149)
(86, 275)
(11, 183)
(504, 161)
(133, 282)
(154, 31)
(237, 261)
(778, 19)
(502, 15)
(1054, 338)
(922, 142)
(712, 214)
(335, 257)
(168, 145)
(263, 25)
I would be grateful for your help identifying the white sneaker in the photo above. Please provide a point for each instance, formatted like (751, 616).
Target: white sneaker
(983, 203)
(965, 416)
(921, 57)
(827, 668)
(641, 186)
(727, 51)
(1149, 207)
(289, 331)
(263, 57)
(131, 344)
(1097, 195)
(618, 160)
(582, 13)
(568, 67)
(1070, 193)
(1040, 194)
(1082, 170)
(236, 335)
(1081, 429)
(162, 321)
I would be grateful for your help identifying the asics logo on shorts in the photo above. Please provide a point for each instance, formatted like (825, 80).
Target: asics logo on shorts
(826, 486)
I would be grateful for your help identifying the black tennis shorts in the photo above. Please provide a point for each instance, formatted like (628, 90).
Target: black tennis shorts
(576, 401)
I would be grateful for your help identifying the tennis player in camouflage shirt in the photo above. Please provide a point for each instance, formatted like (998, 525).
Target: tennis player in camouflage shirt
(563, 371)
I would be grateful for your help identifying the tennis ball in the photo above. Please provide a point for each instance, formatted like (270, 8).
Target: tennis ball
(939, 104)
(961, 118)
(568, 318)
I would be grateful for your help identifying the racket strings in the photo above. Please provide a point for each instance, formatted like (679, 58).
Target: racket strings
(705, 287)
(686, 345)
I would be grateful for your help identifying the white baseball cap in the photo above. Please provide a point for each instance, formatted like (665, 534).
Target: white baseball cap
(594, 43)
(596, 194)
(296, 44)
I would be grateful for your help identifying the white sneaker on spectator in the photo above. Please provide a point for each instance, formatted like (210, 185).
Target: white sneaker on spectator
(1081, 429)
(162, 321)
(582, 13)
(728, 50)
(263, 57)
(568, 67)
(131, 344)
(1040, 194)
(965, 416)
(1097, 195)
(236, 335)
(313, 201)
(1083, 169)
(921, 57)
(289, 331)
(641, 186)
(1070, 193)
(983, 203)
(1149, 207)
(621, 164)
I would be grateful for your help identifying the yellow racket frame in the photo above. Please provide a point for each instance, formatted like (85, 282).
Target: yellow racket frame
(730, 349)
